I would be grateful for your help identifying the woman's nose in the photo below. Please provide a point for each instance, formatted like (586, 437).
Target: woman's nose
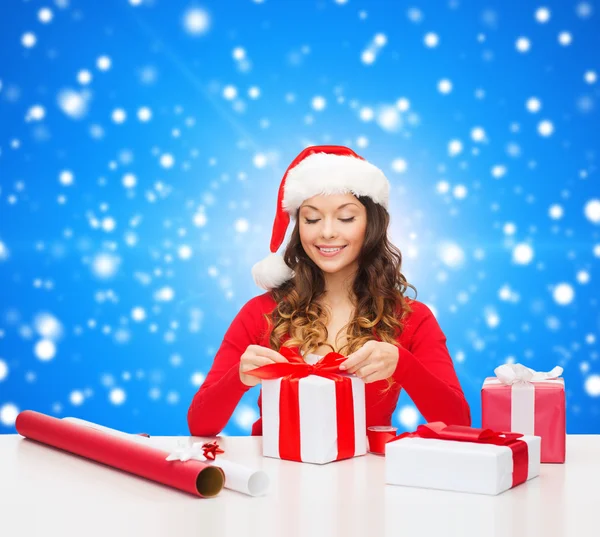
(328, 229)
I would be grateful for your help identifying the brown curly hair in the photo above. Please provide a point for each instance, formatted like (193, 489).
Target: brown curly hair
(378, 289)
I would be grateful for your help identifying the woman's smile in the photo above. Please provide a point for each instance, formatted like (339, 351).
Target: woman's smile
(330, 252)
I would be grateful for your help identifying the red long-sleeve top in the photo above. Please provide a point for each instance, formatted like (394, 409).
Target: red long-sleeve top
(425, 371)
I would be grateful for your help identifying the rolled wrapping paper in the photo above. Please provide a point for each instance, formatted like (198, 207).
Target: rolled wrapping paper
(243, 479)
(195, 477)
(237, 476)
(134, 437)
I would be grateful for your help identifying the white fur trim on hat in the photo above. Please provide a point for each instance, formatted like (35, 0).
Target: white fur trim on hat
(325, 173)
(271, 272)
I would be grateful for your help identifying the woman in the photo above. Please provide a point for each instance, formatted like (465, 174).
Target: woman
(339, 288)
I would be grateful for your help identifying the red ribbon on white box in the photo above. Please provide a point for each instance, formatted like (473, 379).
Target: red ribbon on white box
(522, 380)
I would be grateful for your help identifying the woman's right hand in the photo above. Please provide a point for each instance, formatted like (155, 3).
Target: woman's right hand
(254, 357)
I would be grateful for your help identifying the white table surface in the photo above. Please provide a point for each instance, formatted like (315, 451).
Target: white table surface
(47, 492)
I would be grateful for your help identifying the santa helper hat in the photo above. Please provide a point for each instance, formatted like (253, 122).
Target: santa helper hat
(319, 169)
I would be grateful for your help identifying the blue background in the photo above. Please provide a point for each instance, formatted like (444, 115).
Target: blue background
(71, 342)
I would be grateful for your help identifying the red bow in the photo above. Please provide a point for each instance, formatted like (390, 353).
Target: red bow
(290, 373)
(297, 368)
(462, 433)
(211, 450)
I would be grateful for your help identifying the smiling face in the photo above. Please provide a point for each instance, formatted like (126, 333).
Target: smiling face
(333, 221)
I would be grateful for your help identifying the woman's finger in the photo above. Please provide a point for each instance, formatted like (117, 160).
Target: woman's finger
(273, 355)
(255, 361)
(358, 364)
(373, 377)
(354, 360)
(369, 369)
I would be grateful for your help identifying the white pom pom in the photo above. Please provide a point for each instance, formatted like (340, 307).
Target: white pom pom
(271, 272)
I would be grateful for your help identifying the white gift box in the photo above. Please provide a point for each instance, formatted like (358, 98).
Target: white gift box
(318, 421)
(456, 465)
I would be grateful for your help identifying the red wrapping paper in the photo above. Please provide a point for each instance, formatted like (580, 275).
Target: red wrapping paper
(196, 477)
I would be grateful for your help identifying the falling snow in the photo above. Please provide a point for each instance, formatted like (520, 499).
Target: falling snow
(140, 189)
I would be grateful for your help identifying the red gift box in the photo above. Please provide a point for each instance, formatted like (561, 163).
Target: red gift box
(525, 401)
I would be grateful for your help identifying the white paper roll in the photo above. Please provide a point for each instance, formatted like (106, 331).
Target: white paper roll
(242, 478)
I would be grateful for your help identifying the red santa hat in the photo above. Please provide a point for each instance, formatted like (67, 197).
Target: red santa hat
(319, 169)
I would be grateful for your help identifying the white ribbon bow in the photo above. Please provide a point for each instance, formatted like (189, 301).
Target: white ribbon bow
(185, 453)
(511, 374)
(238, 477)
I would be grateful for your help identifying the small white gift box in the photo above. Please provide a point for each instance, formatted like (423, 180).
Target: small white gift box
(311, 412)
(490, 464)
(317, 406)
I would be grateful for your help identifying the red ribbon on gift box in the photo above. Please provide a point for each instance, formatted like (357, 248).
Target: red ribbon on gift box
(289, 404)
(461, 433)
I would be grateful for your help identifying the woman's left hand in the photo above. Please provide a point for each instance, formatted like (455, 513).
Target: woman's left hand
(375, 360)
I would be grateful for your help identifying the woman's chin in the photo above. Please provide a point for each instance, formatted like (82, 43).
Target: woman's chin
(331, 268)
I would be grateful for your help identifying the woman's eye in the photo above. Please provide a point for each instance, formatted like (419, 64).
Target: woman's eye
(342, 219)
